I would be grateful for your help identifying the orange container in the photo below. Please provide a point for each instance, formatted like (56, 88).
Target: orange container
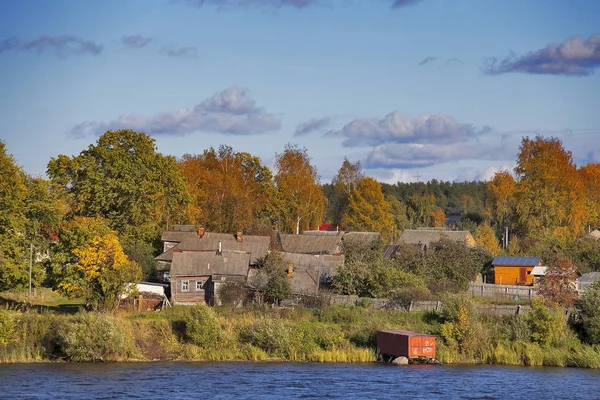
(409, 344)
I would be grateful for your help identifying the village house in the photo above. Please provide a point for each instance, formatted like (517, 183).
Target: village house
(515, 270)
(197, 274)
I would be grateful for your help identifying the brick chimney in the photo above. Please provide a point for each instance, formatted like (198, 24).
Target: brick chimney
(239, 237)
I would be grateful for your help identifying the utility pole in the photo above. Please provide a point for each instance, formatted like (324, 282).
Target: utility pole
(418, 176)
(30, 265)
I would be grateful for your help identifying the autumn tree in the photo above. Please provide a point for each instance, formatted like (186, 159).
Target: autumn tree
(550, 197)
(302, 202)
(558, 285)
(344, 183)
(101, 273)
(486, 239)
(500, 203)
(230, 190)
(368, 211)
(398, 211)
(590, 176)
(438, 218)
(126, 181)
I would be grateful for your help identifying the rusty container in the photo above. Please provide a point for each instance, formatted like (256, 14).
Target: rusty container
(409, 344)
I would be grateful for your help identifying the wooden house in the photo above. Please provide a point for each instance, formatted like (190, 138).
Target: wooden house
(196, 274)
(309, 273)
(514, 270)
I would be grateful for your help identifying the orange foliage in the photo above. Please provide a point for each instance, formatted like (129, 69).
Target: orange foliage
(438, 218)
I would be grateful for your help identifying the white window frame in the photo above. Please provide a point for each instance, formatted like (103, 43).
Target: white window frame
(199, 285)
(185, 286)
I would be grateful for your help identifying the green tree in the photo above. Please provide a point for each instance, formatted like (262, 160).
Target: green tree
(398, 211)
(368, 211)
(271, 279)
(421, 208)
(587, 314)
(126, 181)
(302, 202)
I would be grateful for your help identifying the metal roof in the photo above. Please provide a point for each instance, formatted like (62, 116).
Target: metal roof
(516, 261)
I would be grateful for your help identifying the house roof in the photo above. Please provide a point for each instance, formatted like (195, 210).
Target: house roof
(210, 263)
(362, 238)
(257, 246)
(589, 277)
(424, 237)
(310, 244)
(308, 270)
(178, 236)
(516, 261)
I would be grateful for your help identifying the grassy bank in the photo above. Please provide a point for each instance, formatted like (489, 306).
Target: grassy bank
(329, 334)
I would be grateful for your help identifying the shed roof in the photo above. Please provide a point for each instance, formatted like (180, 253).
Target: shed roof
(516, 261)
(210, 263)
(539, 271)
(424, 237)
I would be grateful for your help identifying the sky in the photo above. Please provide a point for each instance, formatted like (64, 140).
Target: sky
(413, 89)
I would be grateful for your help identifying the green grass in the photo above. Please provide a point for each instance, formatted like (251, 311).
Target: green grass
(40, 299)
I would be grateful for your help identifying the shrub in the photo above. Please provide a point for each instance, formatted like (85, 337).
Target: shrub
(92, 337)
(7, 327)
(587, 316)
(269, 334)
(202, 326)
(548, 324)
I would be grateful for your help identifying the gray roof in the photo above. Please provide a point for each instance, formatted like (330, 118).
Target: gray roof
(194, 263)
(362, 238)
(257, 246)
(424, 237)
(310, 244)
(310, 269)
(389, 251)
(516, 261)
(589, 277)
(166, 256)
(177, 236)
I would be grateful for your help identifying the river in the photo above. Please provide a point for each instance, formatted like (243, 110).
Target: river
(185, 380)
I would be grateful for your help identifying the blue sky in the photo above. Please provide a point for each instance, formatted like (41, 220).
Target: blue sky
(441, 89)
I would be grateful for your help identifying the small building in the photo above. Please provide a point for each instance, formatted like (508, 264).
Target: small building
(196, 275)
(586, 280)
(400, 343)
(424, 237)
(514, 270)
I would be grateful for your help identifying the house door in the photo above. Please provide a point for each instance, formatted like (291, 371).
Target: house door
(522, 275)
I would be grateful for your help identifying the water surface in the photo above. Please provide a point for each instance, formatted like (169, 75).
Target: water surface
(292, 381)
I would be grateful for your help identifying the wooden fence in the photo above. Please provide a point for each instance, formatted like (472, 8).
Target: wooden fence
(513, 292)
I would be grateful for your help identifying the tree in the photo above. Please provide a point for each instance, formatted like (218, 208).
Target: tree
(344, 183)
(398, 211)
(126, 181)
(590, 176)
(368, 211)
(101, 273)
(550, 197)
(230, 190)
(558, 285)
(500, 201)
(587, 314)
(271, 279)
(302, 199)
(438, 218)
(420, 209)
(486, 239)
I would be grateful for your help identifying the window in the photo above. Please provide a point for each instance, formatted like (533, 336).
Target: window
(185, 286)
(199, 285)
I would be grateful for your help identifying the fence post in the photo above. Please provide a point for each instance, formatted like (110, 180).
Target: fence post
(410, 306)
(438, 306)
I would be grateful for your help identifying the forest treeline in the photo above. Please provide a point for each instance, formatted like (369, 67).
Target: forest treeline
(97, 218)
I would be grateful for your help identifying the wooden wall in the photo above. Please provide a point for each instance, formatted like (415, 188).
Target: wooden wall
(513, 275)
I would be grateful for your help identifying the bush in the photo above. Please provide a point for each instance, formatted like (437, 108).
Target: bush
(587, 315)
(548, 324)
(7, 327)
(202, 326)
(92, 337)
(269, 334)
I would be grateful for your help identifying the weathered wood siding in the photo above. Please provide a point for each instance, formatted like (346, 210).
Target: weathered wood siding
(192, 295)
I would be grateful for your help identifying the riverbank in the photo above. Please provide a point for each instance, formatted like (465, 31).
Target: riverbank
(328, 334)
